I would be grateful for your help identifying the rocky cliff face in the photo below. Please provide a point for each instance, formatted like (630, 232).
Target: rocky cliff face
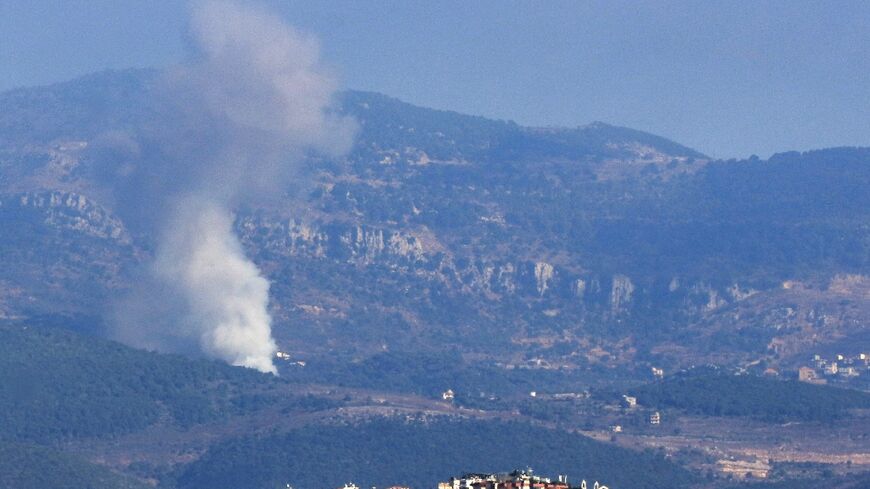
(559, 294)
(67, 211)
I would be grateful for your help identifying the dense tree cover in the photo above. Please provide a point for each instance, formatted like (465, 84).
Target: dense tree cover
(715, 393)
(430, 374)
(420, 453)
(794, 214)
(828, 184)
(56, 385)
(388, 123)
(32, 467)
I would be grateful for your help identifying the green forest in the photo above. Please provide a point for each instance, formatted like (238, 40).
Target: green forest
(420, 453)
(715, 393)
(57, 385)
(33, 467)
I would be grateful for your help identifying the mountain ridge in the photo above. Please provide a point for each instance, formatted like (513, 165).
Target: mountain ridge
(463, 228)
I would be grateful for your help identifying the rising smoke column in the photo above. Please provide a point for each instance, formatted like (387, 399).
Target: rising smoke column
(234, 124)
(224, 296)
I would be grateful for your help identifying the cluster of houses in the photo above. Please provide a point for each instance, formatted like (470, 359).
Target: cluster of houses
(842, 366)
(518, 479)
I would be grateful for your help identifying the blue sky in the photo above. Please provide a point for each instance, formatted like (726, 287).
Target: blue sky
(728, 78)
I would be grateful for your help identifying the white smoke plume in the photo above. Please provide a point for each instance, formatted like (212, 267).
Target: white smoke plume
(234, 124)
(225, 296)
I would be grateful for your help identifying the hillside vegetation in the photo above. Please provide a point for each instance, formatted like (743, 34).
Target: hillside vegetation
(420, 453)
(57, 385)
(724, 394)
(33, 467)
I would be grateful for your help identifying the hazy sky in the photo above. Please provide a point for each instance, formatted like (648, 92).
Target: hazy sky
(727, 78)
